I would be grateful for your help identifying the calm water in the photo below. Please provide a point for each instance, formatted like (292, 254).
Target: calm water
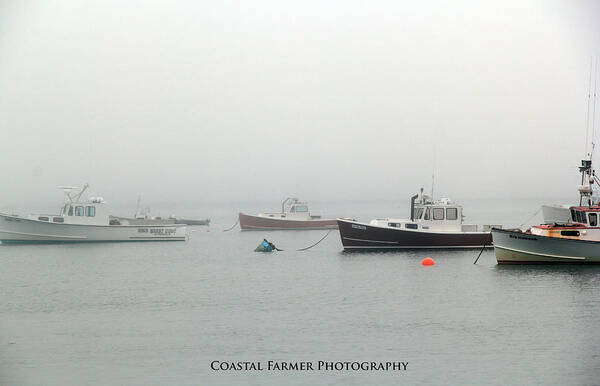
(159, 313)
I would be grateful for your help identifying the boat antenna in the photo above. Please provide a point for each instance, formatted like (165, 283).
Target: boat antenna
(594, 109)
(587, 117)
(137, 206)
(433, 171)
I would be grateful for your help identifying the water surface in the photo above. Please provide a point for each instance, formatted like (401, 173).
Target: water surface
(159, 313)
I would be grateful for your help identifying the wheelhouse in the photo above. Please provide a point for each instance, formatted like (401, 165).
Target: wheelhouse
(79, 210)
(587, 215)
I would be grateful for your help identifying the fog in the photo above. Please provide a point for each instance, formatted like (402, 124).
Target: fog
(228, 101)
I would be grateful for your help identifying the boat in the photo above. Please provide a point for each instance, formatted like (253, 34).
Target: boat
(432, 224)
(294, 215)
(179, 220)
(84, 221)
(144, 217)
(572, 240)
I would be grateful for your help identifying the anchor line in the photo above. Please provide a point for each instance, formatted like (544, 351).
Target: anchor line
(322, 238)
(228, 229)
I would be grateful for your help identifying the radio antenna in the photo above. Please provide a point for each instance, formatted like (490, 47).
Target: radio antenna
(433, 170)
(587, 117)
(594, 109)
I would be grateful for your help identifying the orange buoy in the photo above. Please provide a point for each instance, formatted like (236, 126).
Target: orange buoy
(428, 261)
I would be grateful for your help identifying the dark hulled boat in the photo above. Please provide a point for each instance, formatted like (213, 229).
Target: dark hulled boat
(433, 224)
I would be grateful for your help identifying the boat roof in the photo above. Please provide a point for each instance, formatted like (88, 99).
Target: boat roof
(593, 208)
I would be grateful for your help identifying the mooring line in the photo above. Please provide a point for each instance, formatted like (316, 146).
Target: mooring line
(480, 252)
(323, 238)
(228, 229)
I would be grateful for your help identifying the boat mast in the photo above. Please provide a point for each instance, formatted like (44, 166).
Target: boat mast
(588, 175)
(594, 108)
(587, 117)
(137, 206)
(433, 170)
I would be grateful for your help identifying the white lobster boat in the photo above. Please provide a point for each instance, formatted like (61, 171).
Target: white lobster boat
(575, 239)
(83, 221)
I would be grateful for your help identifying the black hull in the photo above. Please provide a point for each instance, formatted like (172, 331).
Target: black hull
(360, 236)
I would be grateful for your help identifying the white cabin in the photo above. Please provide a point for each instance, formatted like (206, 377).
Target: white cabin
(429, 215)
(292, 209)
(91, 212)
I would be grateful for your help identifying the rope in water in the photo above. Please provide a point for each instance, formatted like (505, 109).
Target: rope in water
(480, 252)
(302, 249)
(322, 238)
(228, 229)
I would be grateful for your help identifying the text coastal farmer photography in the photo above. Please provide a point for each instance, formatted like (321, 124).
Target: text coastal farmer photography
(270, 365)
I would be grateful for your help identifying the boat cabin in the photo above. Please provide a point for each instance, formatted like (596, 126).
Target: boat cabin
(292, 209)
(587, 215)
(91, 212)
(428, 215)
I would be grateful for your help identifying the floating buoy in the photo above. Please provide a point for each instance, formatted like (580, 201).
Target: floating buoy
(265, 246)
(428, 261)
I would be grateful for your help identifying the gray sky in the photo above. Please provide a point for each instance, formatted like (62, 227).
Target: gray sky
(234, 100)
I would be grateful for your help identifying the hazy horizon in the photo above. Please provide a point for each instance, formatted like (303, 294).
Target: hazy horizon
(234, 101)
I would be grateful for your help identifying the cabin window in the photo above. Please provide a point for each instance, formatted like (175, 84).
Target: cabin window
(90, 211)
(70, 210)
(418, 213)
(593, 219)
(569, 233)
(426, 214)
(451, 213)
(582, 218)
(438, 213)
(393, 225)
(58, 219)
(301, 209)
(411, 226)
(79, 211)
(43, 218)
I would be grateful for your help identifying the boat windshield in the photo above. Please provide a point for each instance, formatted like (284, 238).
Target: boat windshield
(426, 214)
(418, 213)
(300, 208)
(578, 216)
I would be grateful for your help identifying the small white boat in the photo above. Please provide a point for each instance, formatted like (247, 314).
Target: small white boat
(83, 221)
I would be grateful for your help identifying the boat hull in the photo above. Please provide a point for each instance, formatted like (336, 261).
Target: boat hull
(516, 247)
(249, 222)
(361, 236)
(14, 229)
(192, 222)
